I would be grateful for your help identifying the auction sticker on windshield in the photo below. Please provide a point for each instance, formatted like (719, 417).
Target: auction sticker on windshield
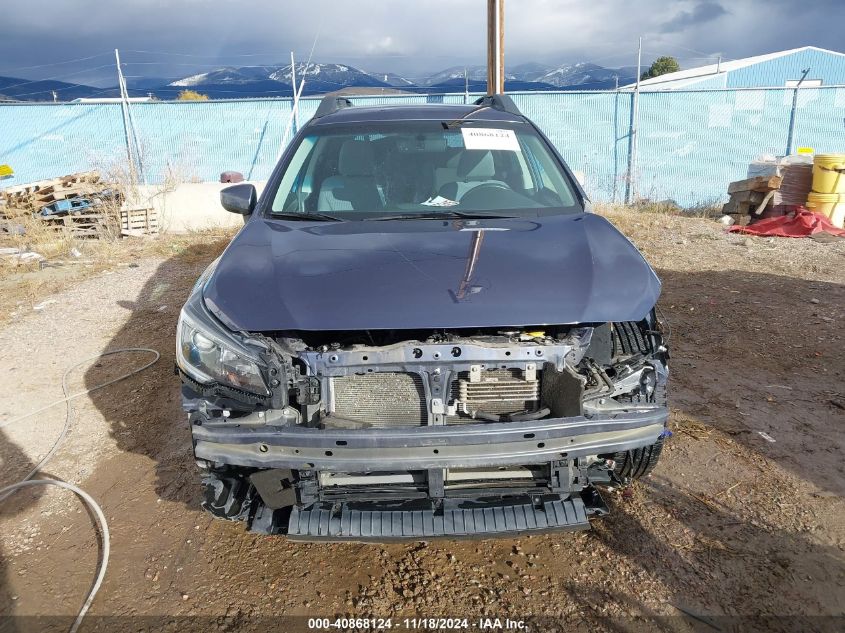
(490, 138)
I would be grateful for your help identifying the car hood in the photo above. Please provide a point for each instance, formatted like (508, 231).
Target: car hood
(420, 274)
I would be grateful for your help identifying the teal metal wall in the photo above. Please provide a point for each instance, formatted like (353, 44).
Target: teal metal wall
(691, 143)
(827, 66)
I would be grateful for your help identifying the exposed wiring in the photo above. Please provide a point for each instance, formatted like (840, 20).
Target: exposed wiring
(28, 481)
(664, 323)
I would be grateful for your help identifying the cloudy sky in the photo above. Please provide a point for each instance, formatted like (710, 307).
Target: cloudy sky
(175, 38)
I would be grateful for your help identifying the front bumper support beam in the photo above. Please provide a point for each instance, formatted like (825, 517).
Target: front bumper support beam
(241, 443)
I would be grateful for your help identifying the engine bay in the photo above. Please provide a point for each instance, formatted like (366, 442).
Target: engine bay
(418, 378)
(438, 422)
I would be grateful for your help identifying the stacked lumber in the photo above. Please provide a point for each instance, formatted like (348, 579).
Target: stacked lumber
(750, 198)
(30, 197)
(797, 174)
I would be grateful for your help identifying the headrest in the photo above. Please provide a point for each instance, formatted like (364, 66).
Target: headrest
(476, 165)
(356, 159)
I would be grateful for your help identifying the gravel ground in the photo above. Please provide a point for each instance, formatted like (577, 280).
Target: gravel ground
(731, 532)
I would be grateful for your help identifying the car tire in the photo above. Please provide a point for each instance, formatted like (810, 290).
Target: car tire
(638, 462)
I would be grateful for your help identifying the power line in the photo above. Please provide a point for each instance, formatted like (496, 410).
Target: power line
(197, 55)
(69, 61)
(274, 54)
(298, 93)
(218, 65)
(46, 90)
(57, 77)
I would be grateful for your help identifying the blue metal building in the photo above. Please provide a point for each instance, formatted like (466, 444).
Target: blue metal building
(773, 70)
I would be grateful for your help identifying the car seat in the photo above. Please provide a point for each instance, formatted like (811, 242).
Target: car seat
(354, 187)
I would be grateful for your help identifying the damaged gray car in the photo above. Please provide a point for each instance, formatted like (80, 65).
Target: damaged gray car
(421, 331)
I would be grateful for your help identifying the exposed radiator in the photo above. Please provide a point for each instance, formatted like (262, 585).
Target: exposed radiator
(385, 399)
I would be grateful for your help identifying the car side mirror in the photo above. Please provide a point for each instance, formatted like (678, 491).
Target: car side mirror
(239, 198)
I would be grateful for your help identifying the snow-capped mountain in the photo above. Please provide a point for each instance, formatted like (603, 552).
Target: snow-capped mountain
(473, 73)
(565, 76)
(581, 74)
(228, 75)
(275, 79)
(328, 77)
(319, 78)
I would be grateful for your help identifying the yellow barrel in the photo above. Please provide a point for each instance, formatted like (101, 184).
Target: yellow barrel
(829, 173)
(831, 205)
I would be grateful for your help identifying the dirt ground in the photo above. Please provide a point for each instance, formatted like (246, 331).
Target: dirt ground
(733, 531)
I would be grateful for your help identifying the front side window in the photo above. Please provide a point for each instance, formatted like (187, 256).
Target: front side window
(370, 169)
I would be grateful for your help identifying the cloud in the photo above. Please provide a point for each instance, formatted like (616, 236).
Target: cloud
(702, 13)
(177, 38)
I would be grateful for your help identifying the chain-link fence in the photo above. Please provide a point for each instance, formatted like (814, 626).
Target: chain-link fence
(690, 143)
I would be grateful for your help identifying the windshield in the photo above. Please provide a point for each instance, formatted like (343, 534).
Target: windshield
(414, 168)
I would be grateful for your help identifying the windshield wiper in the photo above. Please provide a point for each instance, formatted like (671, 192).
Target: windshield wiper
(443, 215)
(293, 215)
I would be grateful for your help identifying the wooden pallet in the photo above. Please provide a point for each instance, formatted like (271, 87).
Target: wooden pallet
(141, 221)
(62, 181)
(29, 197)
(94, 225)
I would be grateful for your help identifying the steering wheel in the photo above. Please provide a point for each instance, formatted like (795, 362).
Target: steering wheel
(488, 185)
(476, 194)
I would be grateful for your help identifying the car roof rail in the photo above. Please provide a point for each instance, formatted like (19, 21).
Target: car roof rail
(499, 102)
(331, 104)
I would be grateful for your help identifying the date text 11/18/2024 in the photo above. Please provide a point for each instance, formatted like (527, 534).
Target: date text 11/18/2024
(412, 624)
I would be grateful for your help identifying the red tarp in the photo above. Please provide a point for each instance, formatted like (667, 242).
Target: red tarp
(802, 224)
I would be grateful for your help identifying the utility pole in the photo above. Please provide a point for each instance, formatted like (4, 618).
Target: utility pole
(294, 102)
(794, 112)
(631, 185)
(495, 46)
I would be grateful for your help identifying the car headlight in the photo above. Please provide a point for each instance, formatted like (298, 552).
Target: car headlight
(207, 358)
